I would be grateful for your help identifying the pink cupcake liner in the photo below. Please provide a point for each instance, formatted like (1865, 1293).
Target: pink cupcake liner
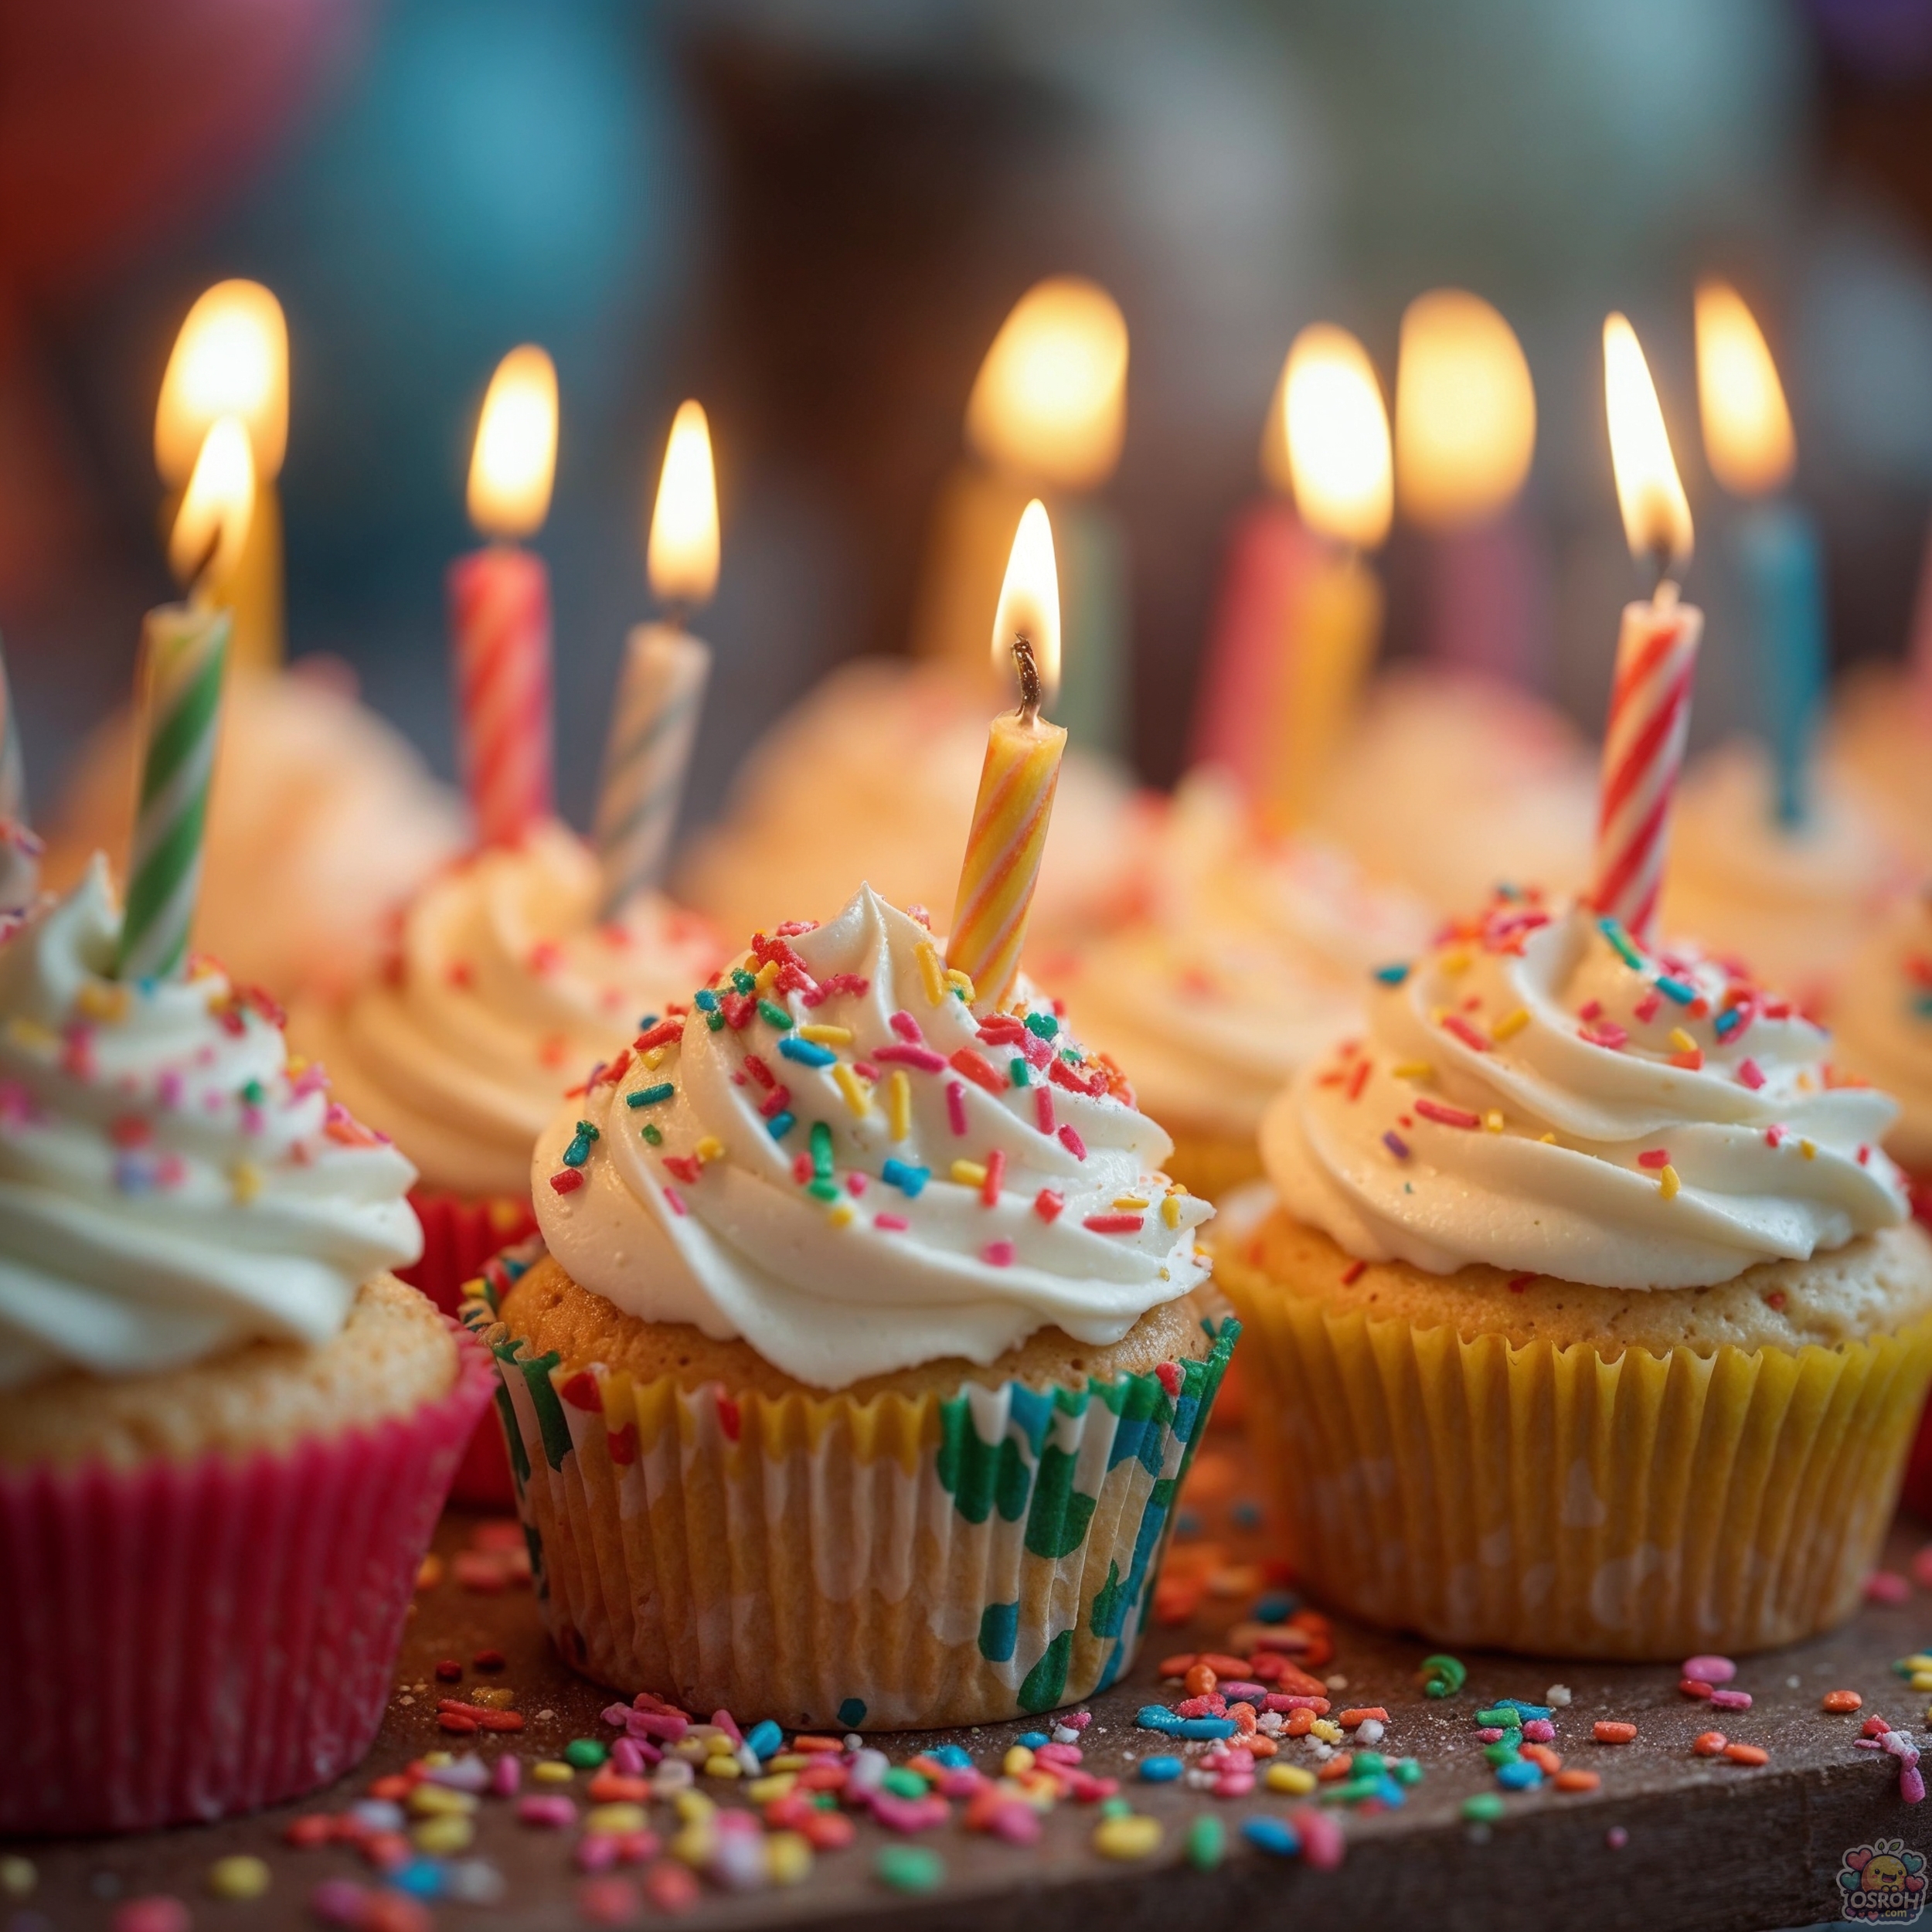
(459, 1235)
(185, 1642)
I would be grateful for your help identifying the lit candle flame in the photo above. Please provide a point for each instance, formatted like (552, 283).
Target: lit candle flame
(1747, 425)
(211, 529)
(1337, 434)
(230, 359)
(682, 560)
(1657, 519)
(515, 460)
(1050, 400)
(1465, 411)
(1029, 602)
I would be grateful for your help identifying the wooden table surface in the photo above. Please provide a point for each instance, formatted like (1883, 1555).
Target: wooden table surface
(1670, 1840)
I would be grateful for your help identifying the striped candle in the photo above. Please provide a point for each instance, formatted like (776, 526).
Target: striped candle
(13, 767)
(500, 631)
(648, 752)
(184, 648)
(1643, 750)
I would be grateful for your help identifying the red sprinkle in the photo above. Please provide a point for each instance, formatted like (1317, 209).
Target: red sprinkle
(995, 1174)
(956, 1106)
(1353, 1273)
(1751, 1074)
(999, 1254)
(978, 1070)
(1609, 1731)
(1607, 1033)
(923, 1059)
(1445, 1115)
(890, 1223)
(1072, 1143)
(1656, 1156)
(676, 1200)
(1454, 1023)
(1043, 1109)
(686, 1167)
(907, 1028)
(1772, 1134)
(1048, 1204)
(1114, 1223)
(759, 1071)
(1359, 1080)
(569, 1180)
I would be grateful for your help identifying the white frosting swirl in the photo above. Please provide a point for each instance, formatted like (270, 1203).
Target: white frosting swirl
(1528, 1097)
(1882, 1022)
(1247, 957)
(170, 1184)
(837, 1247)
(505, 988)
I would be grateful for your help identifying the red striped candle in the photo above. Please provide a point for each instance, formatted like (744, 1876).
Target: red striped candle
(500, 633)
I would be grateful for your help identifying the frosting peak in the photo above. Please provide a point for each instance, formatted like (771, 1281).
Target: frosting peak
(834, 1155)
(172, 1184)
(1539, 1092)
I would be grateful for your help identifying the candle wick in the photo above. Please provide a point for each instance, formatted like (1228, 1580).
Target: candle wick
(1664, 598)
(1030, 690)
(674, 614)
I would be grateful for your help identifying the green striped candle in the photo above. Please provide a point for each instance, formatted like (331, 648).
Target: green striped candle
(184, 648)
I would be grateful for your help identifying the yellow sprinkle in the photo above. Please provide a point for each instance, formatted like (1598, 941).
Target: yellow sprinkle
(960, 983)
(1667, 1183)
(1548, 1140)
(1413, 1070)
(1290, 1778)
(766, 974)
(29, 1033)
(617, 1818)
(847, 1084)
(1171, 1211)
(496, 1697)
(1437, 1014)
(1921, 1680)
(1177, 1187)
(100, 1001)
(1805, 1083)
(1129, 1202)
(693, 1747)
(1681, 1042)
(1809, 1150)
(239, 1877)
(654, 1059)
(969, 1173)
(787, 1857)
(899, 1103)
(1017, 1761)
(1918, 1660)
(789, 1761)
(1454, 963)
(762, 1791)
(694, 1807)
(1127, 1839)
(1509, 1026)
(1493, 1121)
(437, 1760)
(827, 1035)
(550, 1771)
(1327, 1729)
(930, 972)
(710, 1148)
(443, 1837)
(246, 1178)
(439, 1800)
(694, 1845)
(840, 1214)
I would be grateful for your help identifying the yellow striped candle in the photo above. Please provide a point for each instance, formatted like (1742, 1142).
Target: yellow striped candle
(1017, 782)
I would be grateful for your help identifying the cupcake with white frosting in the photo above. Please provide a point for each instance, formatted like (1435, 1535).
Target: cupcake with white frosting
(210, 1383)
(869, 1347)
(1246, 958)
(1595, 1257)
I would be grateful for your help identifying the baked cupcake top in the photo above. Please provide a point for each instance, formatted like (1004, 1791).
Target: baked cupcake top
(504, 985)
(836, 1155)
(1540, 1093)
(172, 1183)
(1882, 1018)
(1247, 957)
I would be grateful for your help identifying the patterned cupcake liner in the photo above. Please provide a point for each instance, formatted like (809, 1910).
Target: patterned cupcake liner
(188, 1641)
(898, 1563)
(1544, 1499)
(459, 1235)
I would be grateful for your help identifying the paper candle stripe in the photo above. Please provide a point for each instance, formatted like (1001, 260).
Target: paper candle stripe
(13, 768)
(1643, 752)
(184, 651)
(652, 726)
(500, 623)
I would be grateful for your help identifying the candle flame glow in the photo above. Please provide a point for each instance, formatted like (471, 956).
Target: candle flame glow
(1465, 411)
(682, 560)
(1029, 601)
(1747, 424)
(515, 460)
(1050, 400)
(1657, 519)
(230, 359)
(1337, 432)
(211, 529)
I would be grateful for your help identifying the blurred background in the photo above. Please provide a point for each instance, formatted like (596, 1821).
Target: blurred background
(813, 214)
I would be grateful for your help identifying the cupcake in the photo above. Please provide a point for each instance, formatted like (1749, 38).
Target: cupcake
(866, 1352)
(226, 1430)
(1795, 901)
(323, 820)
(1245, 960)
(899, 820)
(1878, 743)
(1588, 1317)
(503, 987)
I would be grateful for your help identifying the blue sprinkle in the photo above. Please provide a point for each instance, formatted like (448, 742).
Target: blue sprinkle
(852, 1712)
(1729, 1021)
(1157, 1717)
(1161, 1770)
(1395, 1144)
(955, 1757)
(1519, 1775)
(1524, 1712)
(764, 1739)
(646, 1022)
(650, 1096)
(1206, 1727)
(1392, 975)
(1675, 989)
(1274, 1835)
(421, 1878)
(1276, 1607)
(705, 1000)
(1612, 930)
(1389, 1793)
(909, 1181)
(1246, 1514)
(1187, 1524)
(807, 1051)
(780, 1124)
(1034, 1739)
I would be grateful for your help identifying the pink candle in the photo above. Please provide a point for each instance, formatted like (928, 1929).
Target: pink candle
(500, 605)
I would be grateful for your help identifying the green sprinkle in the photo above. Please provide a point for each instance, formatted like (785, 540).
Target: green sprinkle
(774, 1015)
(1405, 1770)
(821, 1150)
(1368, 1763)
(1484, 1807)
(1018, 1072)
(253, 1092)
(910, 1867)
(650, 1096)
(822, 1189)
(903, 1782)
(1207, 1842)
(715, 1020)
(1116, 1808)
(1442, 1675)
(1504, 1751)
(1612, 930)
(745, 982)
(1503, 1716)
(1042, 1025)
(655, 1135)
(587, 1753)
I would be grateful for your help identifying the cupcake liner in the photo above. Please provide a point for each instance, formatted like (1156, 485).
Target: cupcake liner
(459, 1235)
(898, 1563)
(1547, 1500)
(187, 1641)
(1916, 1492)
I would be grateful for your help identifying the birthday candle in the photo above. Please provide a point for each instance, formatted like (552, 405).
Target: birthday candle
(1017, 782)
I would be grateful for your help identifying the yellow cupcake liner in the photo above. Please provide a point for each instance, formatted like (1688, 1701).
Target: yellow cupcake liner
(898, 1563)
(1547, 1499)
(1213, 1165)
